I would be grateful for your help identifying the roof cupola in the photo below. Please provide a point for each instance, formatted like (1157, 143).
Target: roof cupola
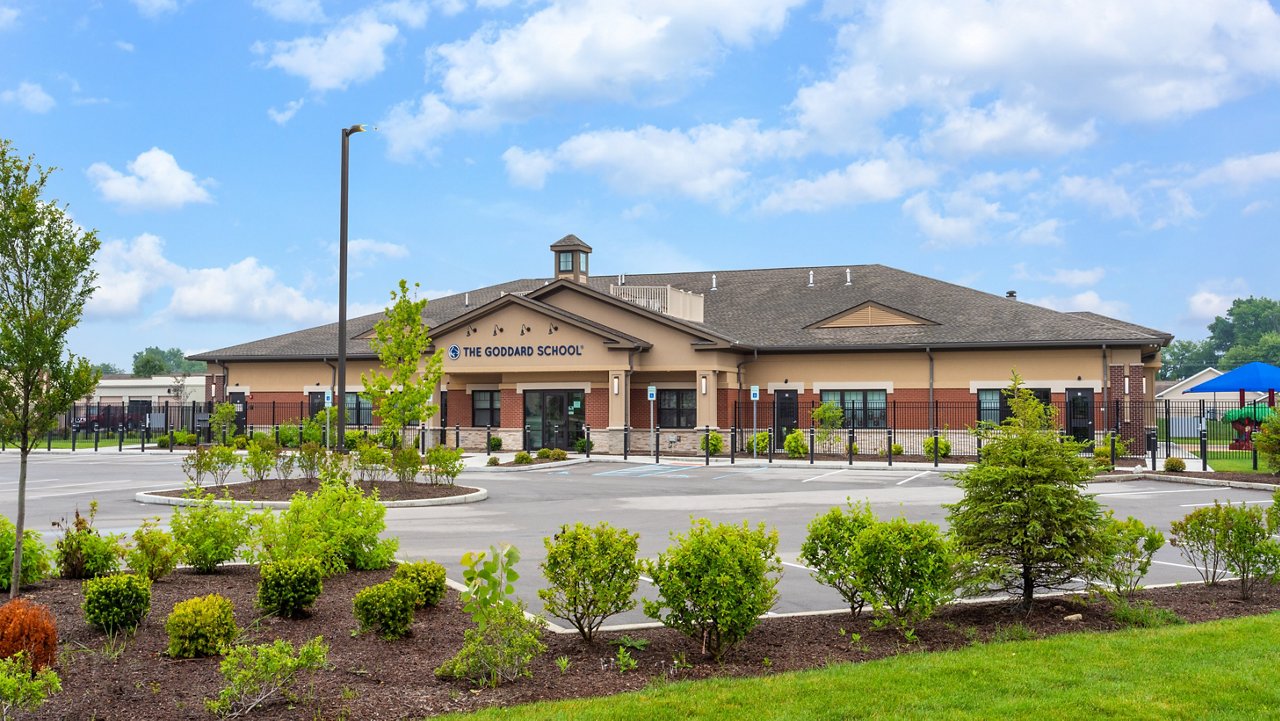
(570, 255)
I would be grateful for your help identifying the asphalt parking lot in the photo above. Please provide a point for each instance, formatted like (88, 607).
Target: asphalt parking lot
(651, 499)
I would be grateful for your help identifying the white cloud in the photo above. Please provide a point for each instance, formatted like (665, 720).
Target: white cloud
(1061, 276)
(412, 129)
(1256, 206)
(295, 11)
(285, 114)
(154, 182)
(352, 52)
(30, 97)
(1047, 232)
(8, 17)
(366, 251)
(1099, 193)
(1180, 208)
(863, 181)
(965, 223)
(1011, 180)
(1206, 305)
(243, 291)
(1242, 172)
(1088, 300)
(528, 169)
(155, 8)
(125, 45)
(407, 12)
(128, 271)
(639, 211)
(1002, 128)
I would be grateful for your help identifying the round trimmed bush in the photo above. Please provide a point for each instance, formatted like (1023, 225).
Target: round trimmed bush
(116, 603)
(495, 443)
(1175, 465)
(201, 626)
(522, 458)
(544, 453)
(944, 446)
(289, 586)
(386, 607)
(715, 440)
(28, 627)
(795, 445)
(493, 461)
(427, 579)
(557, 454)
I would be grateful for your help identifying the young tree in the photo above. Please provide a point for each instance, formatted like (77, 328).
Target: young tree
(46, 276)
(403, 395)
(1024, 518)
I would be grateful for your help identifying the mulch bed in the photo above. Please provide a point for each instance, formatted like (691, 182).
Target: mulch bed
(275, 490)
(370, 678)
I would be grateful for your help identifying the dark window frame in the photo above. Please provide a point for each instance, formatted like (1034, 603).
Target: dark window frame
(561, 259)
(1001, 410)
(865, 415)
(486, 408)
(677, 408)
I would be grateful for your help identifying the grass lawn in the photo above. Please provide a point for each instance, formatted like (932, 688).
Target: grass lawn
(1234, 461)
(1219, 670)
(104, 441)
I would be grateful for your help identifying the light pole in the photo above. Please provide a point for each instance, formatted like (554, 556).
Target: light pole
(341, 400)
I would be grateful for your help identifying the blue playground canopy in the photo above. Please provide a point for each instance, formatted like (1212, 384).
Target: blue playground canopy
(1260, 377)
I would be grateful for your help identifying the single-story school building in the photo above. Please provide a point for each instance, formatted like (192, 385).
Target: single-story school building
(536, 361)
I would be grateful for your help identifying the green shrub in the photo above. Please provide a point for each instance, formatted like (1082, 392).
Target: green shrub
(338, 524)
(716, 582)
(387, 437)
(759, 443)
(288, 587)
(238, 442)
(493, 461)
(162, 441)
(1196, 535)
(827, 419)
(37, 561)
(489, 577)
(896, 448)
(258, 462)
(715, 440)
(222, 461)
(255, 674)
(154, 552)
(290, 435)
(904, 570)
(84, 553)
(284, 463)
(852, 448)
(310, 458)
(1247, 548)
(1173, 464)
(1130, 544)
(1267, 440)
(558, 454)
(495, 443)
(944, 446)
(210, 533)
(371, 462)
(22, 688)
(1102, 450)
(427, 580)
(222, 421)
(185, 438)
(386, 607)
(592, 572)
(406, 463)
(580, 445)
(795, 445)
(443, 464)
(544, 454)
(201, 626)
(499, 651)
(830, 550)
(116, 603)
(1143, 614)
(522, 458)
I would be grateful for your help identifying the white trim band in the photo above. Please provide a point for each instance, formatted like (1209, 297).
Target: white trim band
(1053, 386)
(820, 386)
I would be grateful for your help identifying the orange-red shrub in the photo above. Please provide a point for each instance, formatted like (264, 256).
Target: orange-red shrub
(28, 626)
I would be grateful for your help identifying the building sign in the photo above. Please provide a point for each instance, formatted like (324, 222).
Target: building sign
(515, 351)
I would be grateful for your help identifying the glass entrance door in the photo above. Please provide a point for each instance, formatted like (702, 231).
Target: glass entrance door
(554, 419)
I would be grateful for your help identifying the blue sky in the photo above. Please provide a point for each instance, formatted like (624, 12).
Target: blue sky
(1115, 157)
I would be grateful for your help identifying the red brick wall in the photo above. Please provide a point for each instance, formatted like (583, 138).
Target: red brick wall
(512, 409)
(640, 407)
(460, 408)
(597, 410)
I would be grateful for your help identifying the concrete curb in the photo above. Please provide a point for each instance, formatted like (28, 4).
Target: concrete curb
(528, 469)
(157, 500)
(724, 463)
(1193, 480)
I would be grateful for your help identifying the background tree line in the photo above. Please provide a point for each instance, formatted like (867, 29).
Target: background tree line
(155, 361)
(1249, 332)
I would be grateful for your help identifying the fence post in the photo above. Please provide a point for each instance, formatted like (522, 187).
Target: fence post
(657, 436)
(120, 438)
(587, 445)
(1204, 446)
(74, 432)
(733, 444)
(1254, 448)
(626, 440)
(1113, 451)
(1168, 431)
(848, 445)
(142, 438)
(889, 448)
(488, 440)
(769, 441)
(1151, 441)
(171, 439)
(457, 435)
(96, 435)
(524, 440)
(936, 443)
(706, 442)
(48, 441)
(811, 444)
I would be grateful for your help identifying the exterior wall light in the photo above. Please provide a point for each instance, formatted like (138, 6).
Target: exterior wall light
(704, 385)
(615, 385)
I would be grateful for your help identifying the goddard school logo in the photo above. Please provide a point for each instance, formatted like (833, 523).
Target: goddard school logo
(454, 352)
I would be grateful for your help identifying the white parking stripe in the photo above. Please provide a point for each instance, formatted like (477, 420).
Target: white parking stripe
(1157, 493)
(796, 565)
(922, 473)
(824, 475)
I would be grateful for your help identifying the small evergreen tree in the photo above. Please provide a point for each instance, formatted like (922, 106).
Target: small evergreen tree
(1024, 517)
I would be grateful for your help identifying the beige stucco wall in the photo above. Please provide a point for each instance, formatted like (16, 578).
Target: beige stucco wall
(291, 376)
(590, 351)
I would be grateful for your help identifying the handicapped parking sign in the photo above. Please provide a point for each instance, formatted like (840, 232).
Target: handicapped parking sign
(755, 393)
(653, 392)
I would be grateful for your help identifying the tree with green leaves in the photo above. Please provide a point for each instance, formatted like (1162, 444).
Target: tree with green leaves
(155, 361)
(1024, 517)
(108, 369)
(46, 277)
(1185, 358)
(403, 393)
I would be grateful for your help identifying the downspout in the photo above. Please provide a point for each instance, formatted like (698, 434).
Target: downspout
(755, 356)
(226, 376)
(626, 399)
(1106, 389)
(932, 419)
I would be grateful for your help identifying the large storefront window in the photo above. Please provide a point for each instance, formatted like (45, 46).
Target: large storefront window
(486, 408)
(677, 408)
(862, 408)
(554, 419)
(993, 405)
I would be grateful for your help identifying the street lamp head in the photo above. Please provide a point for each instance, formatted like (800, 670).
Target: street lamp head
(358, 128)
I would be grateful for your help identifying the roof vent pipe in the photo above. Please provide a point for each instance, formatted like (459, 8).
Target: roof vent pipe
(1011, 295)
(848, 277)
(713, 281)
(811, 279)
(466, 300)
(623, 276)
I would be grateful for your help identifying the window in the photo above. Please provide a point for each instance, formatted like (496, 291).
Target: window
(486, 407)
(677, 409)
(565, 260)
(359, 410)
(993, 405)
(862, 409)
